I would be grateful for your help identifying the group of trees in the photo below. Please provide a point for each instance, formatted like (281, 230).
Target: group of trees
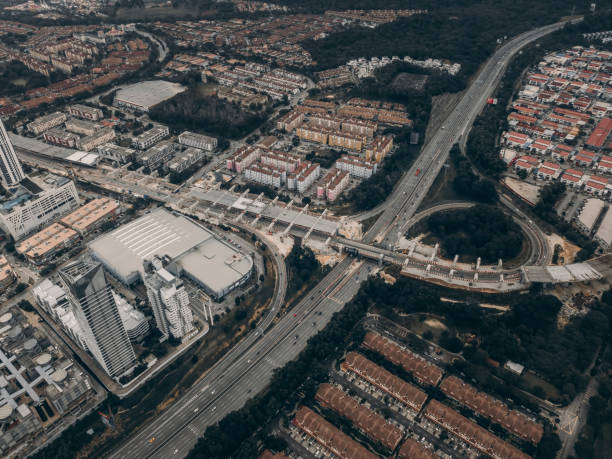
(301, 264)
(594, 438)
(16, 79)
(480, 231)
(191, 110)
(466, 183)
(527, 333)
(460, 31)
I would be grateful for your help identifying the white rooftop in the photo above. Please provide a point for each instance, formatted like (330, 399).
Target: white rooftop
(146, 94)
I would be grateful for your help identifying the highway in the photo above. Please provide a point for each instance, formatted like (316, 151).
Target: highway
(229, 385)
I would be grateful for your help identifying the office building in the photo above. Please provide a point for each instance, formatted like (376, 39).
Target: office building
(10, 167)
(97, 314)
(36, 202)
(168, 299)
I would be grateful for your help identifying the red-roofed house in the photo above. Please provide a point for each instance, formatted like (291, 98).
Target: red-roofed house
(562, 152)
(570, 180)
(548, 171)
(517, 139)
(584, 158)
(598, 137)
(596, 185)
(541, 146)
(605, 164)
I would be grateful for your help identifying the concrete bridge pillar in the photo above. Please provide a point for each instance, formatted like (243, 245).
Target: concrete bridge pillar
(455, 260)
(478, 264)
(500, 264)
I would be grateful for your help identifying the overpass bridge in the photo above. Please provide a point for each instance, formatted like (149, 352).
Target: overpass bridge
(493, 278)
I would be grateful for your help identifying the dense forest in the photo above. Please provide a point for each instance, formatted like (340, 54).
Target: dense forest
(480, 231)
(191, 110)
(460, 31)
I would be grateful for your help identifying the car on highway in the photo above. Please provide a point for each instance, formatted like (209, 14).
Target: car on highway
(418, 171)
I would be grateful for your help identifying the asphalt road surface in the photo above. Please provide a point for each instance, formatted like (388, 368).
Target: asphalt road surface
(228, 386)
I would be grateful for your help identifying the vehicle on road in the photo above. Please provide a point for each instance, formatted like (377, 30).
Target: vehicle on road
(418, 171)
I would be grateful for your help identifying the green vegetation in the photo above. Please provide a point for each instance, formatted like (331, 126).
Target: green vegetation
(461, 31)
(192, 110)
(16, 79)
(594, 440)
(480, 231)
(466, 183)
(301, 263)
(527, 334)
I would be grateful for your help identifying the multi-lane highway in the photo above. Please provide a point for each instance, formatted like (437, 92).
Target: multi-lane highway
(241, 375)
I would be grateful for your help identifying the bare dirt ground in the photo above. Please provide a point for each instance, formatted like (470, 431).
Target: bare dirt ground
(568, 251)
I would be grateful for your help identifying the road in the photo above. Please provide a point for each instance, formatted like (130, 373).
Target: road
(220, 392)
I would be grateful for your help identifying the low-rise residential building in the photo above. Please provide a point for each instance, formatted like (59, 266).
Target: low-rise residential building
(156, 155)
(100, 137)
(548, 171)
(184, 160)
(116, 153)
(151, 137)
(90, 216)
(83, 127)
(86, 112)
(596, 185)
(60, 137)
(42, 246)
(290, 121)
(572, 177)
(41, 124)
(200, 141)
(605, 164)
(333, 184)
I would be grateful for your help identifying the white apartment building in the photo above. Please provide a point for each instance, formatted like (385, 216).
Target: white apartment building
(169, 301)
(116, 153)
(356, 167)
(192, 139)
(265, 175)
(101, 137)
(151, 137)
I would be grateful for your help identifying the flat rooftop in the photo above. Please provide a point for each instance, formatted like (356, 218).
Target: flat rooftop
(146, 94)
(198, 251)
(52, 151)
(284, 215)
